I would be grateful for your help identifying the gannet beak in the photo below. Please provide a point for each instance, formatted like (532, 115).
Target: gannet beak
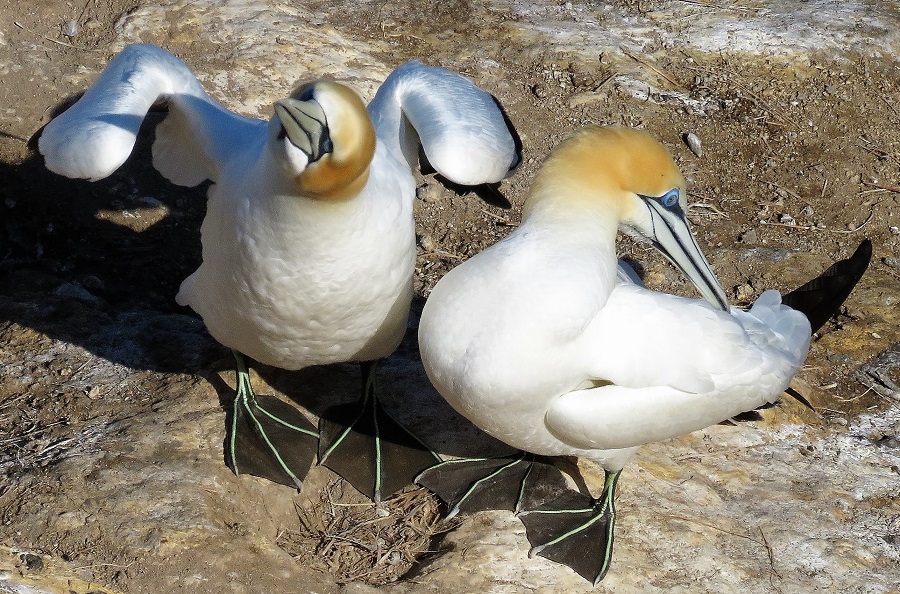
(305, 125)
(672, 236)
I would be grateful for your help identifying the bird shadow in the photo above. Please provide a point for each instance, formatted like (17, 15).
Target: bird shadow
(97, 264)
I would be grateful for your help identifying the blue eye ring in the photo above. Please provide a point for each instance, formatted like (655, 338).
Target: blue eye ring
(670, 198)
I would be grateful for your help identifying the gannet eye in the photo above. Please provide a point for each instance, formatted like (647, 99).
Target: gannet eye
(670, 198)
(304, 93)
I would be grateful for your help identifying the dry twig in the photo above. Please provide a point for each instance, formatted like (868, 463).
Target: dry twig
(709, 207)
(814, 228)
(356, 541)
(882, 187)
(500, 220)
(720, 6)
(732, 78)
(652, 67)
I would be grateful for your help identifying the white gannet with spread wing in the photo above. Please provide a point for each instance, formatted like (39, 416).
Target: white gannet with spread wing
(545, 342)
(308, 240)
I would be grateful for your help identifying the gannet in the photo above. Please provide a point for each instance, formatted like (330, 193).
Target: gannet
(308, 240)
(550, 344)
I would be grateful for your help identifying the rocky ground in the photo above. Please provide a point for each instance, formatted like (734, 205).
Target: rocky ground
(111, 417)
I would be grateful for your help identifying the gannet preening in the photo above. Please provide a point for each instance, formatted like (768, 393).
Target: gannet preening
(308, 240)
(549, 344)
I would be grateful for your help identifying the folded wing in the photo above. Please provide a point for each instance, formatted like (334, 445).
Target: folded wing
(679, 365)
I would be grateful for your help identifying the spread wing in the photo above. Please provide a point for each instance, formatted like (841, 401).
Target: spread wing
(96, 135)
(463, 130)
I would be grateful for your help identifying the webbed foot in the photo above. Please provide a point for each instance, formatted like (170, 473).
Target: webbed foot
(515, 483)
(268, 438)
(576, 530)
(364, 444)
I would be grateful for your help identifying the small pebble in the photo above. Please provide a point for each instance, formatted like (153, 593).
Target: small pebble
(875, 435)
(428, 193)
(838, 358)
(92, 283)
(71, 28)
(33, 563)
(428, 243)
(76, 291)
(693, 143)
(749, 236)
(786, 219)
(743, 292)
(892, 262)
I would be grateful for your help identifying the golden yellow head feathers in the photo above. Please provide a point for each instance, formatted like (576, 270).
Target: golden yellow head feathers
(601, 166)
(621, 178)
(329, 123)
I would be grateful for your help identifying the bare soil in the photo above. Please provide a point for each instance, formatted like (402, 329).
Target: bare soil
(799, 163)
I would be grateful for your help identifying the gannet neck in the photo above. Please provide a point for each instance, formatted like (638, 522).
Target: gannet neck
(568, 212)
(624, 177)
(327, 160)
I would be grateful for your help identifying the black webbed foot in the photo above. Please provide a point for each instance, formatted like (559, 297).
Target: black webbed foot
(515, 483)
(575, 530)
(366, 446)
(266, 437)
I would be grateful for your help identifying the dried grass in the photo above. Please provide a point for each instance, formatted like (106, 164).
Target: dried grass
(355, 540)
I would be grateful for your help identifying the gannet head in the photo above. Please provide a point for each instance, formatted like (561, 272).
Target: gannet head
(628, 173)
(324, 139)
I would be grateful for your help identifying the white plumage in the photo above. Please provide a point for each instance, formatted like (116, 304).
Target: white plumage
(515, 337)
(308, 241)
(289, 280)
(548, 343)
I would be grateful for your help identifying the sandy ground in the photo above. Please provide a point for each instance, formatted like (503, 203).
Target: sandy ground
(109, 395)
